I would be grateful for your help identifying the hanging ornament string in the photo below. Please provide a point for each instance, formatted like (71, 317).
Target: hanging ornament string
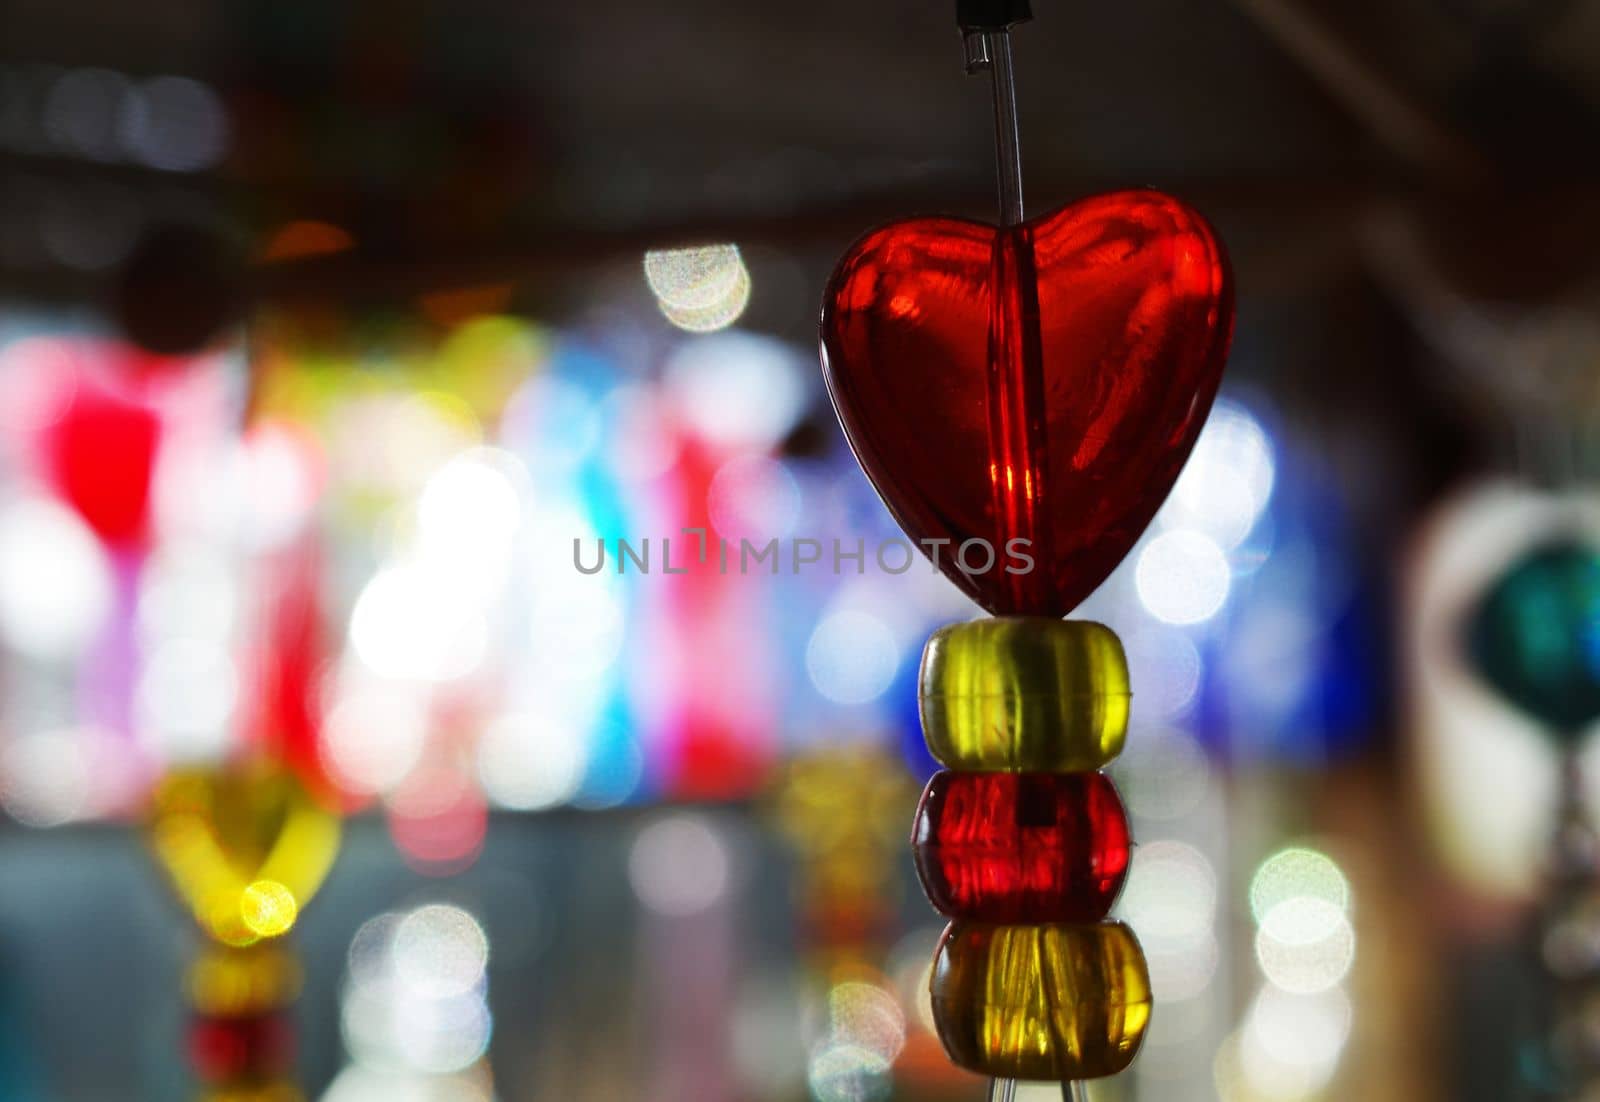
(1023, 397)
(986, 35)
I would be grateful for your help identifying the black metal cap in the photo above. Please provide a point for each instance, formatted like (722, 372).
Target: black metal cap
(991, 15)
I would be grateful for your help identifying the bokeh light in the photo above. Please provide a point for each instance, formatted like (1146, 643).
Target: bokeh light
(1183, 577)
(1306, 945)
(1227, 482)
(842, 1072)
(737, 389)
(1290, 1045)
(177, 125)
(55, 581)
(414, 1009)
(185, 697)
(1297, 872)
(410, 622)
(680, 865)
(440, 951)
(528, 761)
(268, 908)
(1164, 774)
(45, 777)
(699, 289)
(866, 1016)
(852, 657)
(373, 735)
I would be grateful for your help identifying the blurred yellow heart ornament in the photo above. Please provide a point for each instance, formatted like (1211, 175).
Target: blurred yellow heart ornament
(245, 844)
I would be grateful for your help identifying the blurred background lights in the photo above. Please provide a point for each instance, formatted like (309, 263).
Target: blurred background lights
(439, 951)
(640, 445)
(868, 1017)
(852, 657)
(1227, 482)
(177, 125)
(566, 424)
(443, 1036)
(753, 497)
(528, 761)
(843, 1072)
(1305, 945)
(170, 123)
(37, 383)
(45, 777)
(738, 389)
(414, 1006)
(1180, 972)
(277, 493)
(866, 1029)
(83, 110)
(468, 515)
(187, 591)
(438, 818)
(767, 1019)
(1171, 895)
(373, 736)
(699, 289)
(365, 1084)
(1170, 900)
(1290, 1044)
(679, 865)
(1297, 872)
(367, 960)
(1300, 899)
(1182, 577)
(185, 697)
(410, 622)
(268, 908)
(1164, 774)
(576, 628)
(1167, 666)
(1274, 657)
(911, 966)
(55, 581)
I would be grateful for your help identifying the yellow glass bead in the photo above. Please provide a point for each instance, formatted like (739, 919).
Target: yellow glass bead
(1025, 694)
(257, 1092)
(238, 983)
(1041, 1002)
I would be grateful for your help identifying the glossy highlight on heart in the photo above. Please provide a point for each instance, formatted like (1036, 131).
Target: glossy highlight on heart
(1042, 382)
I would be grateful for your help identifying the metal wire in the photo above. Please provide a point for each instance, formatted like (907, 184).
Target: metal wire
(1007, 140)
(1002, 1090)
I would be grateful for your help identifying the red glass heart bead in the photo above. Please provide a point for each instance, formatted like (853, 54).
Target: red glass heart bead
(1042, 382)
(1017, 848)
(228, 1050)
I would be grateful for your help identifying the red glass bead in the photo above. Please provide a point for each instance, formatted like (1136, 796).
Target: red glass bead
(1015, 848)
(1043, 382)
(228, 1050)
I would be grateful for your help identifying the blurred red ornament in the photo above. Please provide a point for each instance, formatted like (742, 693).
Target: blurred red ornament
(1021, 847)
(102, 453)
(1041, 382)
(225, 1050)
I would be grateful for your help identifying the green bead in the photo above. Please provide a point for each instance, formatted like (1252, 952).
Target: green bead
(1041, 1002)
(1535, 637)
(1025, 694)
